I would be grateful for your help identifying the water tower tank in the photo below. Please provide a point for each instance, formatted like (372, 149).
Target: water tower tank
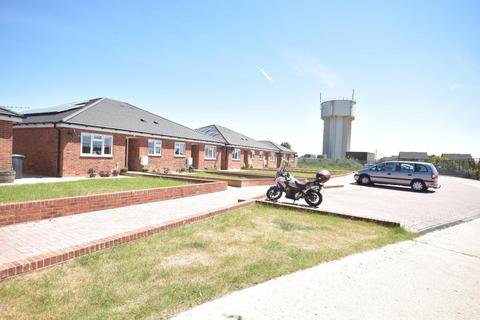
(337, 115)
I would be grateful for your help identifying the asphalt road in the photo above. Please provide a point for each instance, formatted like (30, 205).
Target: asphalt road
(457, 199)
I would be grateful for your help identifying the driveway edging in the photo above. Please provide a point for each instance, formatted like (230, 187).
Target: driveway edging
(41, 262)
(330, 213)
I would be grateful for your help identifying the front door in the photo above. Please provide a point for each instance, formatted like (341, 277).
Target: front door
(196, 156)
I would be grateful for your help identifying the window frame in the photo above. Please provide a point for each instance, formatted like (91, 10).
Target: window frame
(209, 147)
(184, 150)
(235, 151)
(92, 139)
(273, 156)
(155, 144)
(261, 155)
(252, 154)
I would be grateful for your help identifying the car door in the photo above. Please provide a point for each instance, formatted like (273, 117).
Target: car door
(403, 173)
(383, 173)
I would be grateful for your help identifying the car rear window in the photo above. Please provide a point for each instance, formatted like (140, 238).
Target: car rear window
(421, 168)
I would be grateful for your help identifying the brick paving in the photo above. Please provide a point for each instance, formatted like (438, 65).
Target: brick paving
(27, 240)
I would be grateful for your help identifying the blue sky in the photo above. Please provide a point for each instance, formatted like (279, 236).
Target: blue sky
(258, 66)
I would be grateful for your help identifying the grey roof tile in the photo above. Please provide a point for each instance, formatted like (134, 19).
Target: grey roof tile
(234, 138)
(112, 114)
(10, 114)
(278, 146)
(458, 156)
(412, 155)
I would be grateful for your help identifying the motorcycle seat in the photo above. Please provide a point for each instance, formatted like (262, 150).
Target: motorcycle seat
(301, 184)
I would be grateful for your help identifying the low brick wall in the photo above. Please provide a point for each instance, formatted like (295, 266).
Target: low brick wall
(15, 268)
(19, 212)
(253, 180)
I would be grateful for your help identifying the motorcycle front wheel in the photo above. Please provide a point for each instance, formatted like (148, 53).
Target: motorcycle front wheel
(313, 198)
(274, 193)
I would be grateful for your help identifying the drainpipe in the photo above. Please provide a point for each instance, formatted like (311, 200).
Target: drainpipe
(59, 158)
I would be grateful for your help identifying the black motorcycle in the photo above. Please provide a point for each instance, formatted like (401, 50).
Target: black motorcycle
(295, 190)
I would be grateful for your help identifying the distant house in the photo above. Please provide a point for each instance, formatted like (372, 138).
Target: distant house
(391, 158)
(412, 156)
(106, 134)
(284, 153)
(458, 156)
(361, 156)
(7, 118)
(242, 150)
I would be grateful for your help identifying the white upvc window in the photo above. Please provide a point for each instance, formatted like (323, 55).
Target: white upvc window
(260, 155)
(154, 147)
(273, 156)
(96, 145)
(236, 154)
(252, 154)
(210, 152)
(179, 150)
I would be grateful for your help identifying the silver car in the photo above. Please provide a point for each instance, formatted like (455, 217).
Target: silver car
(418, 175)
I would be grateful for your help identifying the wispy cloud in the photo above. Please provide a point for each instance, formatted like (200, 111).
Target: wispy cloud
(456, 86)
(307, 66)
(265, 74)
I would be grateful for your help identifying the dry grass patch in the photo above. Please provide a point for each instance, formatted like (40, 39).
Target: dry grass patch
(172, 271)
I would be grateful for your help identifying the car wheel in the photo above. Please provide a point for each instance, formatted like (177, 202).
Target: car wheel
(418, 185)
(364, 180)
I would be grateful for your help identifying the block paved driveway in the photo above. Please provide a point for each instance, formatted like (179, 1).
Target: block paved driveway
(457, 199)
(25, 240)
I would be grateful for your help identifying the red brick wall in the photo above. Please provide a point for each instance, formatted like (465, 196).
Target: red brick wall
(235, 164)
(75, 165)
(256, 163)
(39, 146)
(168, 159)
(209, 164)
(5, 144)
(47, 209)
(271, 164)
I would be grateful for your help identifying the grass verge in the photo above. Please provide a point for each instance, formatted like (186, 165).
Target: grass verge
(52, 190)
(218, 176)
(172, 271)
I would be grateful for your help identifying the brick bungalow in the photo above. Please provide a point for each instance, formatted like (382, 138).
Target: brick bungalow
(284, 153)
(107, 134)
(7, 118)
(242, 150)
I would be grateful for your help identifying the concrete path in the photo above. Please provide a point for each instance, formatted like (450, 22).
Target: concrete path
(436, 276)
(457, 199)
(22, 241)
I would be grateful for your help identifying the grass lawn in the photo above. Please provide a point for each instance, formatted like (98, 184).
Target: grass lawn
(169, 272)
(298, 172)
(335, 166)
(51, 190)
(217, 175)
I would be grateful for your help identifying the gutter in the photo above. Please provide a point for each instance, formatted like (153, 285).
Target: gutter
(59, 158)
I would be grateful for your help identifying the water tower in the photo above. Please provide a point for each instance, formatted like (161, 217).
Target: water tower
(337, 114)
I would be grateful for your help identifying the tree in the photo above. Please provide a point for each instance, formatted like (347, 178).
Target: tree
(286, 145)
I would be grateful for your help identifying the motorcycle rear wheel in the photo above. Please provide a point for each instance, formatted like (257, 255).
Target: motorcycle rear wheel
(313, 198)
(274, 193)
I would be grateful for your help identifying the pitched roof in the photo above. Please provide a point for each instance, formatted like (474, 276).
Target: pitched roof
(412, 155)
(458, 156)
(112, 114)
(279, 147)
(10, 115)
(234, 138)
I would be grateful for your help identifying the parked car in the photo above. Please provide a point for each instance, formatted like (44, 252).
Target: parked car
(418, 175)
